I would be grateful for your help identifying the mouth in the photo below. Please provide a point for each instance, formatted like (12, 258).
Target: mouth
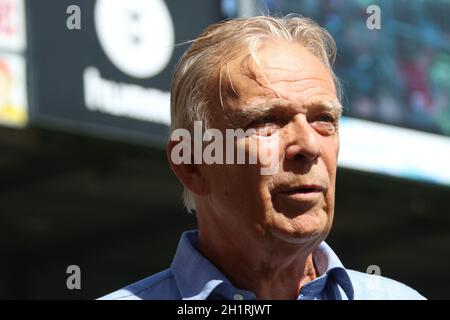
(309, 192)
(303, 189)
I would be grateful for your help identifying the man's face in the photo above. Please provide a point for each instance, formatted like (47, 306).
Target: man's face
(291, 94)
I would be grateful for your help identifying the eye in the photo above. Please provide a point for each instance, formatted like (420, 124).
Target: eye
(325, 124)
(267, 120)
(263, 122)
(326, 117)
(265, 125)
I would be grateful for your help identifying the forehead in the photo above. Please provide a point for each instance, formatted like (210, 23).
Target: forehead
(278, 70)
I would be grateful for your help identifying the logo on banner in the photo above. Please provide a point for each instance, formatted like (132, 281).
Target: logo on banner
(137, 36)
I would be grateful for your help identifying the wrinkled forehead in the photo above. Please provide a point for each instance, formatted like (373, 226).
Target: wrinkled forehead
(285, 71)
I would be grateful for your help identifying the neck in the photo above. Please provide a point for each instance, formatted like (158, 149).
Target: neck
(268, 268)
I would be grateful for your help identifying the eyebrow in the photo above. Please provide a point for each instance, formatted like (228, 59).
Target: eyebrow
(327, 105)
(254, 111)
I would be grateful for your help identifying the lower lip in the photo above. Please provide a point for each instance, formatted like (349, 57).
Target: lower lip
(303, 196)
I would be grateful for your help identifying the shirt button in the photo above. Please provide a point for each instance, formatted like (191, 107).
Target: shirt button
(238, 296)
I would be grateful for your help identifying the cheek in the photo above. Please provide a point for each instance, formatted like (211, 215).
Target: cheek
(330, 156)
(330, 152)
(232, 183)
(337, 145)
(266, 151)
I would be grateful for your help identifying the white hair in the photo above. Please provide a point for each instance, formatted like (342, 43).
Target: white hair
(191, 93)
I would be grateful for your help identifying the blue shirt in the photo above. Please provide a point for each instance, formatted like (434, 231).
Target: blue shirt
(191, 276)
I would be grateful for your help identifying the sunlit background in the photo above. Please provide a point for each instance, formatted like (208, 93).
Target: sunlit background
(84, 109)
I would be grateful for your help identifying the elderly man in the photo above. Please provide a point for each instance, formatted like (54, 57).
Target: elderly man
(261, 236)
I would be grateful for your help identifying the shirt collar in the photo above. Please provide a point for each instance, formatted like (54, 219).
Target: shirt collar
(331, 272)
(197, 277)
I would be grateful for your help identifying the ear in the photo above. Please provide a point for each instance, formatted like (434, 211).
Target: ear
(189, 174)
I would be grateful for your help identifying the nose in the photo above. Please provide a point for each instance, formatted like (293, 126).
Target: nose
(302, 140)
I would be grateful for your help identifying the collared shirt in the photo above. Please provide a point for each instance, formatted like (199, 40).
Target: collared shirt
(192, 276)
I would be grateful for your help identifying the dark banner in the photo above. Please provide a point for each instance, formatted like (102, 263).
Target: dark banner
(104, 67)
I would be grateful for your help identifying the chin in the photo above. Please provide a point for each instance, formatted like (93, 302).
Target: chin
(306, 241)
(309, 228)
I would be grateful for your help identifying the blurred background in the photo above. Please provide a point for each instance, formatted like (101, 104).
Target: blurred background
(84, 109)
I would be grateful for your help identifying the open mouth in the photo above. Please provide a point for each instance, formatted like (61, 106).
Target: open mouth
(304, 190)
(294, 200)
